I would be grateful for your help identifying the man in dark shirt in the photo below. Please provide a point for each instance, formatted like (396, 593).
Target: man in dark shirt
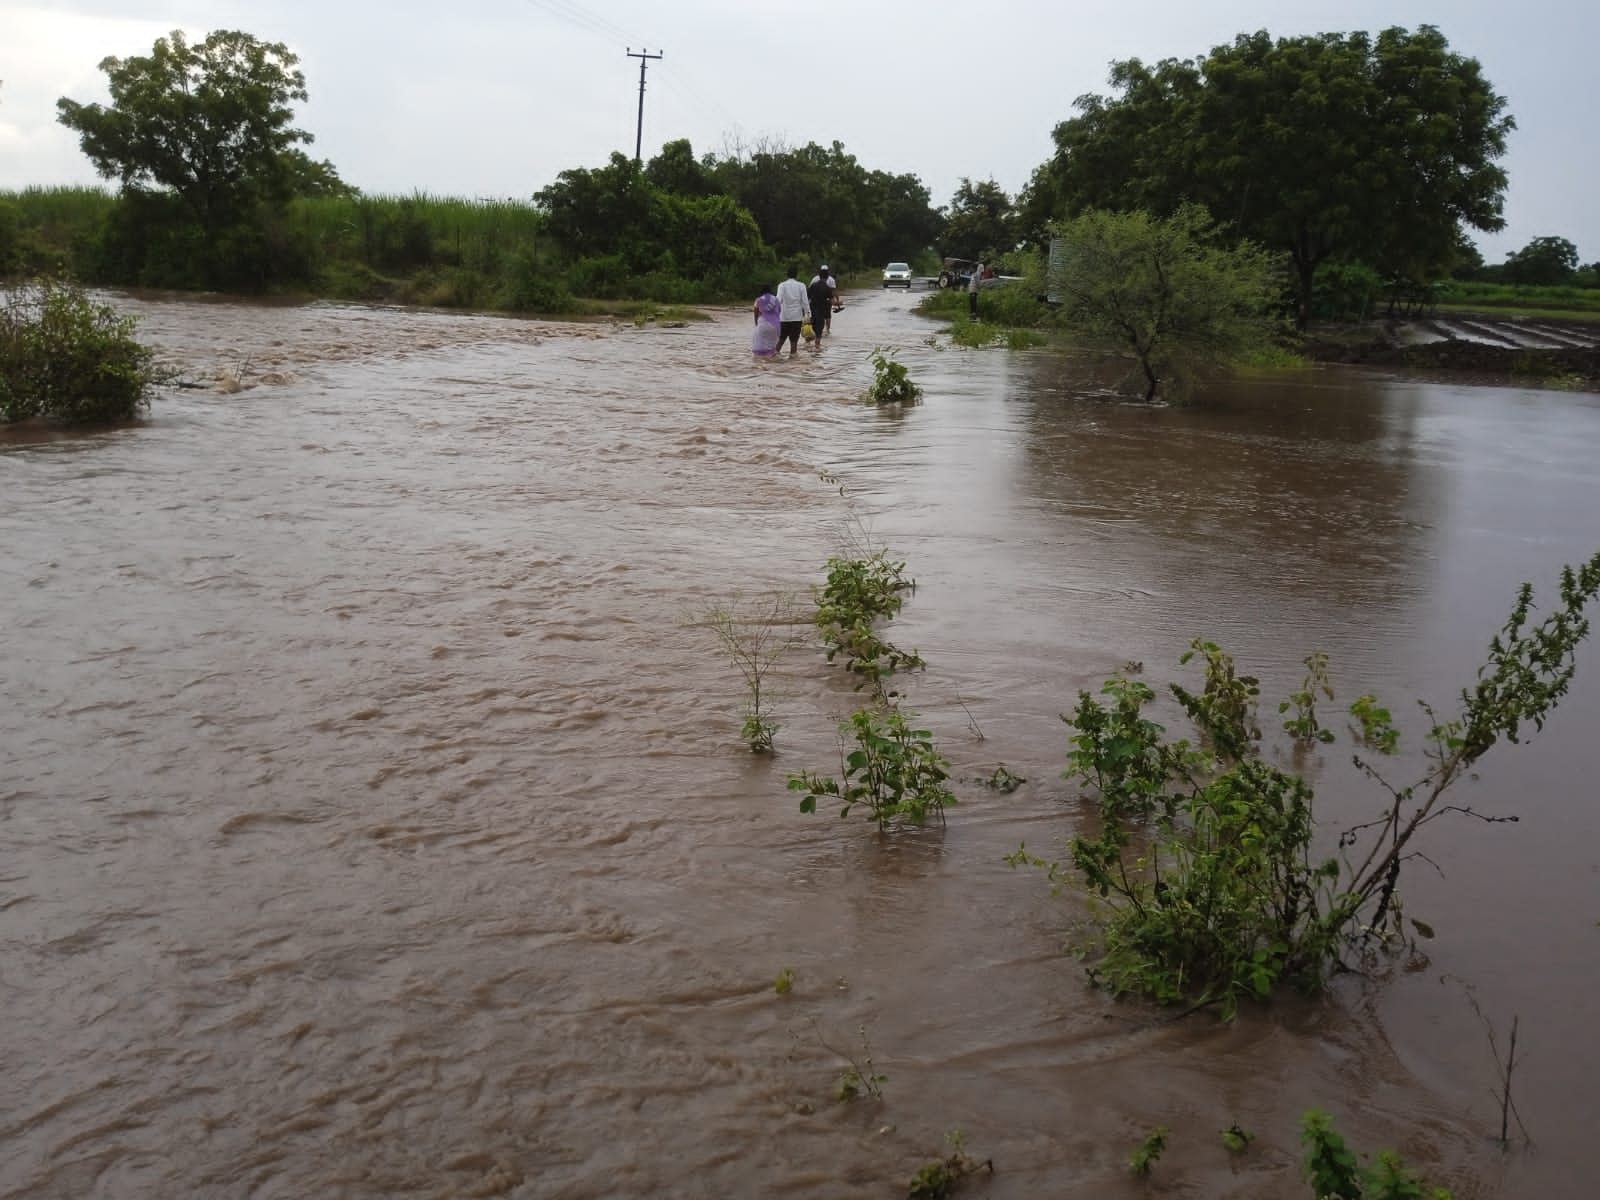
(820, 294)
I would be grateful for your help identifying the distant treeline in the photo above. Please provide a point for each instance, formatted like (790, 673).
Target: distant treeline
(675, 229)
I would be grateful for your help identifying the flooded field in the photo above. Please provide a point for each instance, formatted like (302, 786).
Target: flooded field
(374, 823)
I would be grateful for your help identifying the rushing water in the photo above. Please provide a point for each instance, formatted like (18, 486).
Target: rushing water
(373, 820)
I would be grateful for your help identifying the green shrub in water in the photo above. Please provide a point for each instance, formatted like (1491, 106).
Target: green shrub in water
(64, 357)
(891, 382)
(1205, 863)
(858, 593)
(1336, 1175)
(895, 772)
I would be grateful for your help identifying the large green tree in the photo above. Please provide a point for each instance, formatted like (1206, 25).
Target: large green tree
(819, 202)
(209, 122)
(981, 221)
(905, 221)
(1322, 146)
(617, 213)
(1545, 260)
(677, 170)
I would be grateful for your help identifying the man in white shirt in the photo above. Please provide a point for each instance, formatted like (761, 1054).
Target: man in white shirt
(794, 310)
(972, 290)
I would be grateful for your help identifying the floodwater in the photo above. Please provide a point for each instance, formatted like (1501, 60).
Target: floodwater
(373, 820)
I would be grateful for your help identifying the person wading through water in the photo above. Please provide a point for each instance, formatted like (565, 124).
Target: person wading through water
(827, 317)
(820, 294)
(794, 309)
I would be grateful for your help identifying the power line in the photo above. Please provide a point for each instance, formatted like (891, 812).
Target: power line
(573, 14)
(706, 102)
(592, 19)
(580, 18)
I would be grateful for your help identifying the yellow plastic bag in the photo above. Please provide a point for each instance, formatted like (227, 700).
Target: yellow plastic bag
(807, 332)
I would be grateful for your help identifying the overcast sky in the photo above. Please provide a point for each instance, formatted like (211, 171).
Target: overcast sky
(494, 97)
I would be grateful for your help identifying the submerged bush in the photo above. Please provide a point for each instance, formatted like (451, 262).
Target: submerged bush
(1336, 1174)
(859, 593)
(891, 382)
(895, 772)
(64, 357)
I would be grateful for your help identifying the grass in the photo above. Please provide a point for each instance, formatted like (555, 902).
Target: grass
(1270, 357)
(55, 222)
(964, 331)
(61, 207)
(1009, 315)
(393, 231)
(1463, 295)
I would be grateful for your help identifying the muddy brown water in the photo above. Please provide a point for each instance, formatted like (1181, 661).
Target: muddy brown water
(373, 820)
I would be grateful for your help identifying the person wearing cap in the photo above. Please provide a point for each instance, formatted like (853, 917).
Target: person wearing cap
(833, 300)
(820, 294)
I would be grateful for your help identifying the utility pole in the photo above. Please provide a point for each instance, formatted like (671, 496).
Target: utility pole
(643, 57)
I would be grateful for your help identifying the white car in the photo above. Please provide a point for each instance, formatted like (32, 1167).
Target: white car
(897, 275)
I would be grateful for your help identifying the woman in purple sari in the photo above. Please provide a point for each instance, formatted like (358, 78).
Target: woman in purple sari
(764, 342)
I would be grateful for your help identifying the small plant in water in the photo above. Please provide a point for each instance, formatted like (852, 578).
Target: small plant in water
(895, 771)
(1149, 1150)
(1304, 726)
(1377, 724)
(784, 983)
(891, 382)
(1335, 1174)
(1237, 1139)
(860, 1077)
(1002, 780)
(943, 1176)
(755, 636)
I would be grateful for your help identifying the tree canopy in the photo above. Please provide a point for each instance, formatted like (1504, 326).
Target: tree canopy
(820, 202)
(211, 122)
(981, 221)
(619, 212)
(1327, 146)
(1545, 260)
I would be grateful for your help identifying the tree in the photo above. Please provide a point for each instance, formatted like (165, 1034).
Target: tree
(592, 212)
(981, 221)
(1469, 259)
(677, 170)
(1544, 261)
(305, 176)
(820, 203)
(617, 212)
(1162, 288)
(209, 122)
(1323, 146)
(906, 222)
